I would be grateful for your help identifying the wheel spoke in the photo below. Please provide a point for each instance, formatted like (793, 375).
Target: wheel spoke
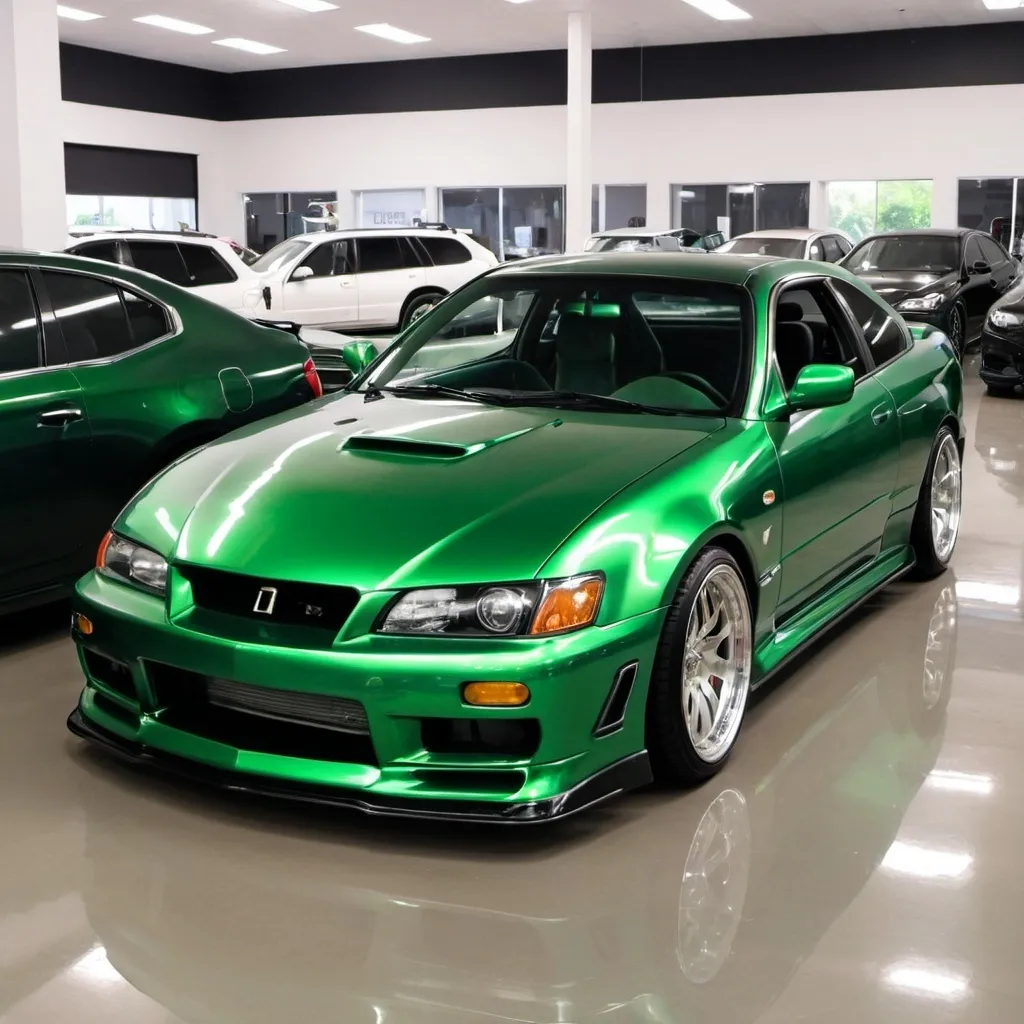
(710, 697)
(710, 644)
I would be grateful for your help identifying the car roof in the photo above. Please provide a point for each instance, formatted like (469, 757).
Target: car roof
(924, 233)
(631, 233)
(151, 236)
(319, 236)
(795, 233)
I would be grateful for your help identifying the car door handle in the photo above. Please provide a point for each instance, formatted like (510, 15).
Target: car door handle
(346, 284)
(59, 417)
(880, 415)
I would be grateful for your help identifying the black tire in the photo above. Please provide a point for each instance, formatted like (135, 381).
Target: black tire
(956, 328)
(674, 758)
(1001, 390)
(929, 562)
(417, 305)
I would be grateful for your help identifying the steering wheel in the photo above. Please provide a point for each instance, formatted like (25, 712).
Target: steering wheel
(701, 385)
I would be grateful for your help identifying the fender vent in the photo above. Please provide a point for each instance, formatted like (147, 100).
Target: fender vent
(613, 714)
(374, 445)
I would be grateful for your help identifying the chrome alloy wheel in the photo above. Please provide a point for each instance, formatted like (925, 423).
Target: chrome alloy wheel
(717, 663)
(956, 332)
(947, 485)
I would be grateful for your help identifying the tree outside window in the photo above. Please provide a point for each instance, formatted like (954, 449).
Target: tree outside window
(860, 208)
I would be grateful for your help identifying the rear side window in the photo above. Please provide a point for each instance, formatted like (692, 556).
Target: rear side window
(98, 251)
(91, 315)
(146, 319)
(444, 252)
(883, 334)
(379, 254)
(205, 266)
(162, 259)
(19, 323)
(830, 244)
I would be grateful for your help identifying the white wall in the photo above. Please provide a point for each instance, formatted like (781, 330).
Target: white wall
(840, 136)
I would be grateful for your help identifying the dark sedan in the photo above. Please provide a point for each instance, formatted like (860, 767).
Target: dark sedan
(948, 279)
(1002, 343)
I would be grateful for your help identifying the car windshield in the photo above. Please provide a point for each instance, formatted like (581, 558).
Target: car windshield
(789, 248)
(246, 255)
(280, 256)
(933, 253)
(621, 343)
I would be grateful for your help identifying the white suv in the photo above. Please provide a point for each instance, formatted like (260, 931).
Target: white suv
(365, 278)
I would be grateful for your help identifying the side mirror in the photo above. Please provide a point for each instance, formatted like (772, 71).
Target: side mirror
(302, 273)
(358, 355)
(821, 386)
(981, 267)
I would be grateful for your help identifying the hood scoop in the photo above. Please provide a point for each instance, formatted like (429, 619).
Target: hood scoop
(375, 444)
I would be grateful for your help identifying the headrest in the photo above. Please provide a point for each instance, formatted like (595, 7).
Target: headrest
(585, 340)
(789, 313)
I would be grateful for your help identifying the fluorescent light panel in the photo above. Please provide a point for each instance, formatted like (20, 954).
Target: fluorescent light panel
(312, 6)
(1003, 5)
(74, 14)
(189, 28)
(249, 45)
(392, 34)
(720, 10)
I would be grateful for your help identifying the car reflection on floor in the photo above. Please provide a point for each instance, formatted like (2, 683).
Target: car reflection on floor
(667, 908)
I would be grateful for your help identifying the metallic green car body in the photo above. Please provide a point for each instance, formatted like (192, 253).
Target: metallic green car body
(817, 510)
(136, 413)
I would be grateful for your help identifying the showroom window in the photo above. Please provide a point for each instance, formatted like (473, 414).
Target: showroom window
(122, 213)
(619, 206)
(860, 208)
(271, 217)
(512, 222)
(19, 339)
(739, 208)
(994, 205)
(398, 209)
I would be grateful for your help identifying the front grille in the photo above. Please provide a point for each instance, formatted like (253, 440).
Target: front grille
(114, 675)
(261, 719)
(271, 602)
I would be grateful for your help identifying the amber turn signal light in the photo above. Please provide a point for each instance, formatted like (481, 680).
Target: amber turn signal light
(567, 606)
(496, 695)
(83, 625)
(101, 554)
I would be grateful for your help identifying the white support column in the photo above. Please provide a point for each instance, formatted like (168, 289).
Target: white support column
(578, 184)
(32, 213)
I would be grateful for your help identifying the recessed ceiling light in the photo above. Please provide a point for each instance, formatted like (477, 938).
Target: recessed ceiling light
(721, 10)
(248, 45)
(313, 6)
(174, 25)
(394, 35)
(1003, 5)
(75, 14)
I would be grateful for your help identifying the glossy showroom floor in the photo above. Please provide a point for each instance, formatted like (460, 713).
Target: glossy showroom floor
(859, 860)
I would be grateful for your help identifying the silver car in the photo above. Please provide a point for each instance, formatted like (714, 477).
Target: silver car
(825, 246)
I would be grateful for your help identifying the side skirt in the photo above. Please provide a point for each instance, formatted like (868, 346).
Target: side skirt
(827, 612)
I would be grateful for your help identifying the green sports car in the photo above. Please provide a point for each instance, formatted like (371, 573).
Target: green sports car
(516, 569)
(107, 375)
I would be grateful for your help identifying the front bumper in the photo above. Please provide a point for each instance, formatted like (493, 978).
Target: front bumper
(405, 686)
(1002, 358)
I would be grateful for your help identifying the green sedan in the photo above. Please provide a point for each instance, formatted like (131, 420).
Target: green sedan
(107, 375)
(515, 570)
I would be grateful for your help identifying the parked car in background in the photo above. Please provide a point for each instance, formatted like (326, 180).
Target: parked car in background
(644, 240)
(368, 278)
(947, 278)
(588, 534)
(107, 376)
(1002, 343)
(218, 270)
(828, 246)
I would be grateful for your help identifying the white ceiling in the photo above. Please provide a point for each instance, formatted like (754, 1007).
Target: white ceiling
(476, 26)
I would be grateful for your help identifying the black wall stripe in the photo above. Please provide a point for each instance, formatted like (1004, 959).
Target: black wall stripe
(987, 54)
(110, 171)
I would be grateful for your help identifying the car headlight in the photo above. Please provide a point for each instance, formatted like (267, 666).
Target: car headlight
(537, 608)
(1004, 318)
(131, 563)
(926, 303)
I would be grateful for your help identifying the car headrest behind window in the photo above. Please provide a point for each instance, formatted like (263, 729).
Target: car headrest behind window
(789, 313)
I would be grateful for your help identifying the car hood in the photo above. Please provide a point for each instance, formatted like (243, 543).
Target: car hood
(896, 285)
(1013, 300)
(400, 492)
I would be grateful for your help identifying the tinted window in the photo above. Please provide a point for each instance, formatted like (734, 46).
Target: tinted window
(884, 335)
(445, 251)
(205, 267)
(972, 252)
(992, 251)
(934, 253)
(830, 245)
(19, 323)
(329, 259)
(98, 251)
(814, 308)
(147, 320)
(90, 314)
(844, 245)
(380, 254)
(162, 259)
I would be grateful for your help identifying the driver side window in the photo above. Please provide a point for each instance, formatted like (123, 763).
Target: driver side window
(330, 259)
(811, 328)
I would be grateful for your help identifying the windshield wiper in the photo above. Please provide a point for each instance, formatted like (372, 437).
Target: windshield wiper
(436, 391)
(583, 401)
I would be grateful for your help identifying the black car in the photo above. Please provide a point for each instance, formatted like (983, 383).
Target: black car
(948, 279)
(1002, 343)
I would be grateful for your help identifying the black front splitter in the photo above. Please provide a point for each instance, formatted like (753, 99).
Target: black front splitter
(629, 773)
